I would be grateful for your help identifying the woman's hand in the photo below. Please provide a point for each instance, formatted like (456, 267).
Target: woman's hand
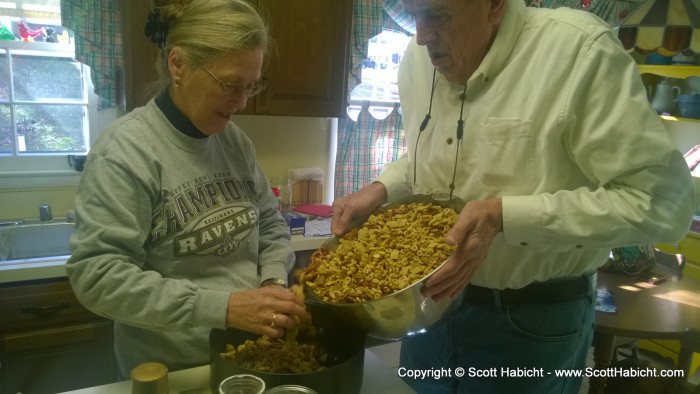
(267, 310)
(472, 234)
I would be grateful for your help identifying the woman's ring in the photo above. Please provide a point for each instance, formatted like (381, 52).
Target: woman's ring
(274, 316)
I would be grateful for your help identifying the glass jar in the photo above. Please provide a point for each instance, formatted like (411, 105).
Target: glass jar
(282, 189)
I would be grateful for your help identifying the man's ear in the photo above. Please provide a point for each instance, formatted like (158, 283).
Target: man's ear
(498, 7)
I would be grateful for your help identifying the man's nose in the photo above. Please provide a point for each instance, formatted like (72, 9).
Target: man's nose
(424, 32)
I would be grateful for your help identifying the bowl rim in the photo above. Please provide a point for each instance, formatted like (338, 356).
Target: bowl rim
(439, 199)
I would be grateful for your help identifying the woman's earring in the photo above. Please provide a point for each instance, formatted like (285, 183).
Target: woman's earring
(177, 82)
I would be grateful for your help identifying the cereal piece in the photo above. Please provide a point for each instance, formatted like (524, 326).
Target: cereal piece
(390, 251)
(272, 355)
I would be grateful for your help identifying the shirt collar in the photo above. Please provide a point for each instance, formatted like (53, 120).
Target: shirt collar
(179, 120)
(510, 28)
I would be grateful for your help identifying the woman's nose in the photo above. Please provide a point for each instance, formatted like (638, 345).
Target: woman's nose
(239, 101)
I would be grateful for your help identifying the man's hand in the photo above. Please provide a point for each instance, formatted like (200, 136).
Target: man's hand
(361, 203)
(476, 227)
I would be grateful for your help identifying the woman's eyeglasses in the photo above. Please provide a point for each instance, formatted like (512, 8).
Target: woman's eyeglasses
(250, 90)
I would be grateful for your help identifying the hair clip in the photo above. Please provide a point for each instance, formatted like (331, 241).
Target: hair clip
(156, 29)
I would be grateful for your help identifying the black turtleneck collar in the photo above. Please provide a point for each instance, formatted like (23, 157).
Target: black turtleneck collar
(176, 117)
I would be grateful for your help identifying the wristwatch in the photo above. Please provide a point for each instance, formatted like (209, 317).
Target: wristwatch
(274, 281)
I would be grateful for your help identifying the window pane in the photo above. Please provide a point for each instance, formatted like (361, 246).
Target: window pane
(4, 76)
(39, 78)
(6, 135)
(50, 128)
(379, 71)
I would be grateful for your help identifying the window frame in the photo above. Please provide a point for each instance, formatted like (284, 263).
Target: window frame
(23, 170)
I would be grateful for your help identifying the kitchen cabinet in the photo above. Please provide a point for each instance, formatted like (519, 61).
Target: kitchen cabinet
(306, 68)
(308, 62)
(139, 54)
(49, 342)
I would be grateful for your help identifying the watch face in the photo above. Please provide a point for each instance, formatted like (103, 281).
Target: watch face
(275, 281)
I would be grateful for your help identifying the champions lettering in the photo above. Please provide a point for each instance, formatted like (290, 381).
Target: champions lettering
(188, 204)
(212, 234)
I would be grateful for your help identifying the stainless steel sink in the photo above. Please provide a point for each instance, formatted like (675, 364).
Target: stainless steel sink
(32, 238)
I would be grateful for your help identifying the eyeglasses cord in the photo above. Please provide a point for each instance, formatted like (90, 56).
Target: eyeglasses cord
(460, 132)
(423, 125)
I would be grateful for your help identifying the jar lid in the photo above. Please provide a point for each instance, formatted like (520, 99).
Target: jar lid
(290, 389)
(242, 383)
(149, 378)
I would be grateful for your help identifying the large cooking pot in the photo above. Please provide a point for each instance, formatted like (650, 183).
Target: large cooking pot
(405, 312)
(344, 344)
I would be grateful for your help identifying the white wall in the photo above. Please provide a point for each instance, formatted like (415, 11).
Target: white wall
(281, 143)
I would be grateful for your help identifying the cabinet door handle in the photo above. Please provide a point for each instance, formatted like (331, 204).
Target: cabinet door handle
(45, 311)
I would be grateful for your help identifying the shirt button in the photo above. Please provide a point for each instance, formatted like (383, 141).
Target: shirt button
(523, 244)
(449, 141)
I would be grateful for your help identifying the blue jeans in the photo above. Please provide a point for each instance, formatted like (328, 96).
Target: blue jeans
(502, 349)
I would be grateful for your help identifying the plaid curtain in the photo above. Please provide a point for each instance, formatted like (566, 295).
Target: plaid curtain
(366, 145)
(97, 29)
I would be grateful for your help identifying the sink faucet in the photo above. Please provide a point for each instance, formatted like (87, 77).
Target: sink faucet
(45, 213)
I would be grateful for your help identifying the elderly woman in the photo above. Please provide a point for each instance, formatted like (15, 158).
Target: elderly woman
(178, 231)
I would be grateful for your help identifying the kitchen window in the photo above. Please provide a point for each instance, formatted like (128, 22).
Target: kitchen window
(43, 100)
(378, 75)
(47, 104)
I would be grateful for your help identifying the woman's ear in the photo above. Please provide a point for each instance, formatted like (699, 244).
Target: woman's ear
(175, 63)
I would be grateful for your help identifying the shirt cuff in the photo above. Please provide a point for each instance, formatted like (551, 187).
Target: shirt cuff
(210, 308)
(522, 221)
(395, 186)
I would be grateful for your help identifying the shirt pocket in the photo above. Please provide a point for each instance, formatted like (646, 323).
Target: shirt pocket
(506, 154)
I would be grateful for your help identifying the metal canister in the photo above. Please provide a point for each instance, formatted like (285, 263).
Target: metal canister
(290, 389)
(150, 378)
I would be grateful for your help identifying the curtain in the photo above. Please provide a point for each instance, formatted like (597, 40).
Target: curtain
(366, 145)
(96, 26)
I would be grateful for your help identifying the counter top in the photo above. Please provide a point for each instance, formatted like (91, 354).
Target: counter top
(378, 378)
(55, 266)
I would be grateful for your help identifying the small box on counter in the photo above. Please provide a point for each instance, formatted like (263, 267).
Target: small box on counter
(295, 221)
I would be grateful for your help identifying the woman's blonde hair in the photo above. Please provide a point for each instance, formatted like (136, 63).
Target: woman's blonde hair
(205, 30)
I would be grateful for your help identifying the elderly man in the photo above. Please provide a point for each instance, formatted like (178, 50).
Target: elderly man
(539, 121)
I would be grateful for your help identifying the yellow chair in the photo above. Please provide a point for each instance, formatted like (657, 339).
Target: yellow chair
(690, 344)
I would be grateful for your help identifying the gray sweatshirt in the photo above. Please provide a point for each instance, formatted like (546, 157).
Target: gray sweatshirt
(168, 226)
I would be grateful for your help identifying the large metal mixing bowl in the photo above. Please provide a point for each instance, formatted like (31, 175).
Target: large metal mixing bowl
(403, 313)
